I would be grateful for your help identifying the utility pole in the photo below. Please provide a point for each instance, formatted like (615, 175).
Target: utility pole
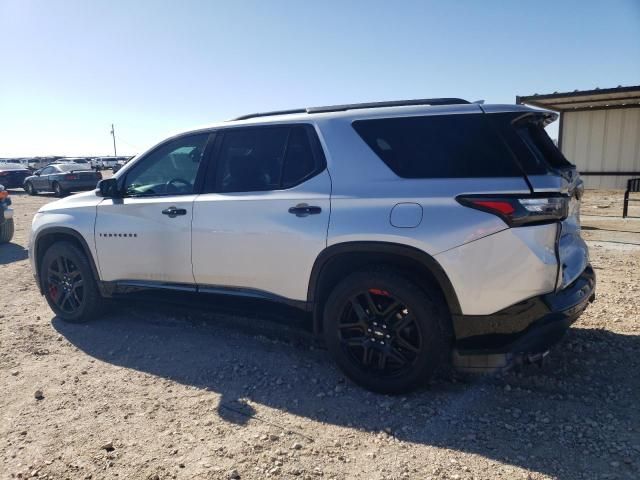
(113, 134)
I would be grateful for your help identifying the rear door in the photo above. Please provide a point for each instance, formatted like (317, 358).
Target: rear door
(264, 219)
(548, 171)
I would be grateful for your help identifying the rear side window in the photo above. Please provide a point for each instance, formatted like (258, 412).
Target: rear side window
(266, 158)
(452, 146)
(529, 142)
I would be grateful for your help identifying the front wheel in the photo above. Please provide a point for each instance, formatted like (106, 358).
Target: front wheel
(28, 187)
(68, 283)
(6, 231)
(57, 190)
(384, 332)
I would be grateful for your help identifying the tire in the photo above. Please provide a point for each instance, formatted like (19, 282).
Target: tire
(28, 187)
(63, 266)
(6, 231)
(408, 332)
(57, 190)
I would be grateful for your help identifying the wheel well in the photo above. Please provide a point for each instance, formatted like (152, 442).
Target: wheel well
(416, 265)
(46, 239)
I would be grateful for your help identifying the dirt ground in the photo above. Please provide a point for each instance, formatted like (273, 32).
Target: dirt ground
(227, 389)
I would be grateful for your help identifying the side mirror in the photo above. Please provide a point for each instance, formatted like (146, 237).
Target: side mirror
(37, 173)
(108, 188)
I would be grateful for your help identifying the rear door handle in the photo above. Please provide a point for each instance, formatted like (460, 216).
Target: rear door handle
(304, 210)
(173, 212)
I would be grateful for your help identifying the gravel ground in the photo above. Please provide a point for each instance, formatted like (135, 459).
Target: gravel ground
(228, 389)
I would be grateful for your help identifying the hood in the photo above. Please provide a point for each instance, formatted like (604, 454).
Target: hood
(84, 199)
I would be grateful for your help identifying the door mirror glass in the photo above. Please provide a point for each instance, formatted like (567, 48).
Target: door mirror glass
(108, 188)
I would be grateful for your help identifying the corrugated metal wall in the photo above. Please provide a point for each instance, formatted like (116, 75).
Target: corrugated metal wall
(603, 140)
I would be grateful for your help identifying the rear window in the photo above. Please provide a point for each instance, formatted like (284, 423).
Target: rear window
(529, 142)
(452, 146)
(68, 167)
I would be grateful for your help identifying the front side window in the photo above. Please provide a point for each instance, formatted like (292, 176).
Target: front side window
(48, 171)
(265, 158)
(171, 169)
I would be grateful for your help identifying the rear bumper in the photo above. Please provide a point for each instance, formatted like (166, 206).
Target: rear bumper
(528, 328)
(15, 182)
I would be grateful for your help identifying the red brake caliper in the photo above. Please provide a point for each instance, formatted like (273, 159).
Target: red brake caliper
(376, 291)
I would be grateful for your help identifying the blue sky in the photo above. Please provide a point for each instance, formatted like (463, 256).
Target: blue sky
(70, 68)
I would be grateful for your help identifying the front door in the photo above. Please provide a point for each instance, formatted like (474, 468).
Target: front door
(146, 236)
(265, 221)
(41, 182)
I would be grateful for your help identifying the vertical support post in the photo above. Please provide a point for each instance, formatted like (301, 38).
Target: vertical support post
(113, 134)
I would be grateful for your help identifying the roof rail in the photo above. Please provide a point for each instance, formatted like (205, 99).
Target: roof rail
(358, 106)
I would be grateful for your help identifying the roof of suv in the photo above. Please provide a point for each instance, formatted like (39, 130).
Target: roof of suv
(374, 109)
(364, 111)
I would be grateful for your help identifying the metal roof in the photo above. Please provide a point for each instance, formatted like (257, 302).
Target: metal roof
(597, 99)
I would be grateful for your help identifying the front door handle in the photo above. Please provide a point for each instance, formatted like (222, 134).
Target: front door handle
(173, 212)
(304, 210)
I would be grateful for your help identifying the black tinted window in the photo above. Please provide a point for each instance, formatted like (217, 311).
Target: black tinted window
(265, 158)
(299, 160)
(452, 146)
(529, 142)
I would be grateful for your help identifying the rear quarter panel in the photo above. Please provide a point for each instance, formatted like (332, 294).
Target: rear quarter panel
(467, 243)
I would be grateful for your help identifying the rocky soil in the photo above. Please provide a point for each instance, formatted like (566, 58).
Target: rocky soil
(236, 390)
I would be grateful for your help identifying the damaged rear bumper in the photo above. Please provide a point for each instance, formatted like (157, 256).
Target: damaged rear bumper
(523, 332)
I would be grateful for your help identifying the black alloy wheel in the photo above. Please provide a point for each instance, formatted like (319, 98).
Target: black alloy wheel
(65, 284)
(69, 283)
(379, 332)
(385, 332)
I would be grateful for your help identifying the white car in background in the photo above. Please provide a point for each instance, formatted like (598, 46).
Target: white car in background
(107, 163)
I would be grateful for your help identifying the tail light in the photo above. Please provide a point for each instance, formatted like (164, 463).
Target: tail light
(99, 175)
(4, 174)
(3, 193)
(70, 176)
(520, 210)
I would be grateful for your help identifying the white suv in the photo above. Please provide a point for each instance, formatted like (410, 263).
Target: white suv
(417, 232)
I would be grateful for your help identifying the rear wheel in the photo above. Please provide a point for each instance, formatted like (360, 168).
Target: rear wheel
(384, 332)
(6, 231)
(68, 283)
(57, 189)
(28, 187)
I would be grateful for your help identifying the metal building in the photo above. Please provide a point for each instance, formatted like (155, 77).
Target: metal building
(599, 132)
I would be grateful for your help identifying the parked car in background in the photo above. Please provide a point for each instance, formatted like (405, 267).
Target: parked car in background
(61, 178)
(12, 161)
(6, 216)
(12, 175)
(121, 163)
(82, 163)
(109, 162)
(40, 162)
